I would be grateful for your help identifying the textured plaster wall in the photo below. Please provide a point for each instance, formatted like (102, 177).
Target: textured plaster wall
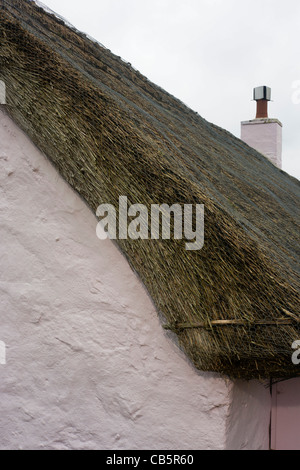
(87, 364)
(265, 136)
(249, 416)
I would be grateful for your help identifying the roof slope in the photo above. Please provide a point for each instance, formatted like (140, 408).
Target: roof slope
(111, 132)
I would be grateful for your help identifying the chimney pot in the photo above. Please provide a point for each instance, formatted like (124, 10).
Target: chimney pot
(262, 95)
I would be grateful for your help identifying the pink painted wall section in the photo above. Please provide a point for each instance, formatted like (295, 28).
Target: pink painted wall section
(286, 415)
(249, 417)
(265, 136)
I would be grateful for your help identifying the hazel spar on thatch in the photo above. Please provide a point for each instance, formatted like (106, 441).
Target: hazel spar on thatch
(234, 305)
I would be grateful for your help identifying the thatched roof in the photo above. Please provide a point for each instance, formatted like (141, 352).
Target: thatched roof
(234, 305)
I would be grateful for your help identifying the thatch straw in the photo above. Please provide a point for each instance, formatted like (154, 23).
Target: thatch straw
(234, 305)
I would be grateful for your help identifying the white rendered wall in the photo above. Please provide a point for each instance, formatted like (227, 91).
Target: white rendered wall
(265, 136)
(88, 365)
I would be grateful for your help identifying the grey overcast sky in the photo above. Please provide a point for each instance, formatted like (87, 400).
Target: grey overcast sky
(208, 53)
